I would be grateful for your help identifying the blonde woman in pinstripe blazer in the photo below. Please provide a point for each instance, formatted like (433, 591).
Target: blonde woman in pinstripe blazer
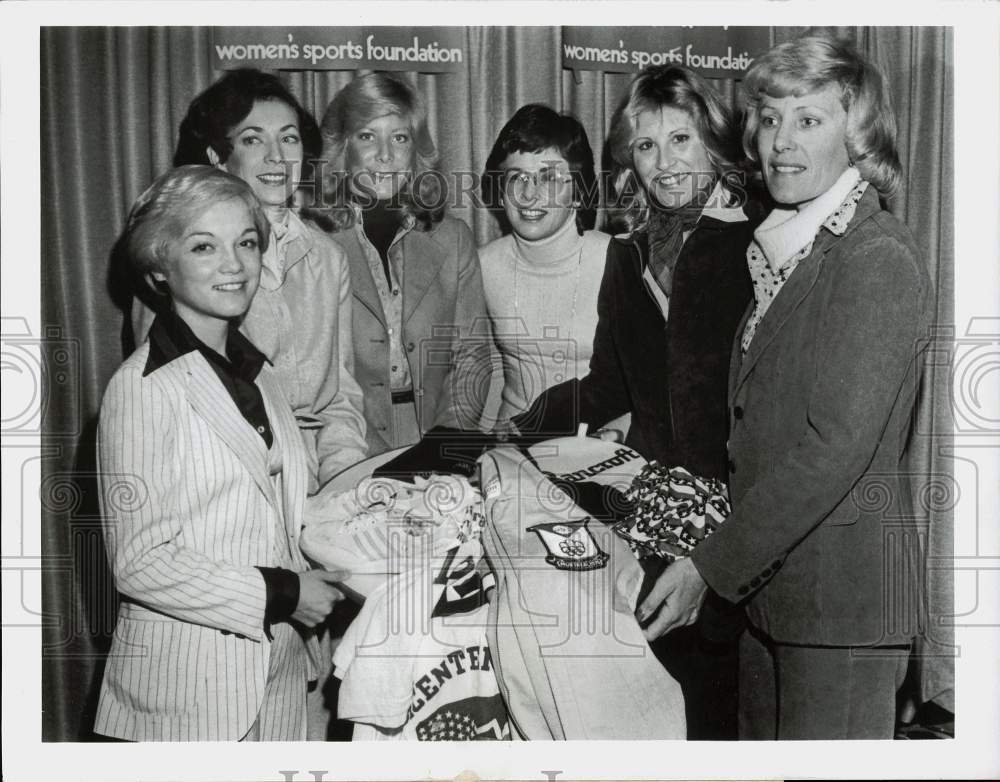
(203, 481)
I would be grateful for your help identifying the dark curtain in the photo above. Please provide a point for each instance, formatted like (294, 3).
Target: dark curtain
(111, 101)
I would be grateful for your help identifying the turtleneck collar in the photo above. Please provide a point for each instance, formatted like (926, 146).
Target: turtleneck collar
(786, 231)
(553, 250)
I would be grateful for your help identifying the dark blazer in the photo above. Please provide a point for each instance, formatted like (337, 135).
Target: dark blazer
(821, 404)
(671, 375)
(445, 330)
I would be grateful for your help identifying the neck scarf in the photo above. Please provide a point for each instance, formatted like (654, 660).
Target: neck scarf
(666, 234)
(772, 261)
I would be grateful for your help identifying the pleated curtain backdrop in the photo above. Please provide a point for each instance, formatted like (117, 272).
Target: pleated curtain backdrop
(111, 102)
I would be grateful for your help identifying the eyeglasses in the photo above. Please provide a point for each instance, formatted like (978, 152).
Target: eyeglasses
(548, 179)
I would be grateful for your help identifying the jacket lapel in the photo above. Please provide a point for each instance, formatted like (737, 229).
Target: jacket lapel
(420, 270)
(798, 286)
(638, 260)
(296, 249)
(785, 303)
(294, 468)
(212, 402)
(736, 355)
(362, 284)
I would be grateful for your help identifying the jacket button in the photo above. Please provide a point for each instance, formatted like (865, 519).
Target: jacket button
(738, 413)
(410, 347)
(776, 564)
(766, 573)
(381, 428)
(732, 464)
(743, 589)
(755, 582)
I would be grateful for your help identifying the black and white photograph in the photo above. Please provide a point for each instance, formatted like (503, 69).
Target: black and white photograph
(616, 381)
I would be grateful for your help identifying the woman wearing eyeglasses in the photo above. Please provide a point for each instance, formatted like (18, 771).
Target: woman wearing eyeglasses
(675, 289)
(541, 279)
(671, 300)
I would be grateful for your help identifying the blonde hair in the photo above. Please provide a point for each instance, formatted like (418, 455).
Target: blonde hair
(364, 99)
(813, 63)
(161, 214)
(652, 89)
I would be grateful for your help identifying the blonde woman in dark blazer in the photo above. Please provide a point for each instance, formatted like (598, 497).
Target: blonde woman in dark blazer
(821, 392)
(203, 480)
(421, 356)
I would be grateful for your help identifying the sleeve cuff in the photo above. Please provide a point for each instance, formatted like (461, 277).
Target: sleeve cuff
(282, 595)
(718, 578)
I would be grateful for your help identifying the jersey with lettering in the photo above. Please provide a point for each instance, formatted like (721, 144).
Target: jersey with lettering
(415, 663)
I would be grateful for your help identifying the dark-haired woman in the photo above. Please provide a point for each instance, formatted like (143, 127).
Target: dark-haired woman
(542, 278)
(250, 125)
(421, 333)
(671, 300)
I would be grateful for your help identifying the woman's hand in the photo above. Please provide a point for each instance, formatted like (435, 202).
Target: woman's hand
(678, 594)
(317, 595)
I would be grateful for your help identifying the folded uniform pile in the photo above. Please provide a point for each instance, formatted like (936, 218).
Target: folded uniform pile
(672, 512)
(414, 664)
(384, 526)
(444, 503)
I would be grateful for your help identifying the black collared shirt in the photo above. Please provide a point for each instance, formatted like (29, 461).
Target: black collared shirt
(381, 223)
(170, 338)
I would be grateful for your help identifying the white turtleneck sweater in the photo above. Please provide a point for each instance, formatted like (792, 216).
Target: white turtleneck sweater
(542, 300)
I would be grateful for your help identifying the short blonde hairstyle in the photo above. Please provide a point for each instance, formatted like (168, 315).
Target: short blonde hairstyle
(652, 89)
(162, 213)
(364, 99)
(812, 63)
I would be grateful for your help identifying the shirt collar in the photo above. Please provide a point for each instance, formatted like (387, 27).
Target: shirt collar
(280, 227)
(170, 338)
(719, 206)
(289, 243)
(405, 226)
(785, 232)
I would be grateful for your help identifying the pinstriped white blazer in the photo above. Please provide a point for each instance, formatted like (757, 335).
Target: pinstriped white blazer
(189, 510)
